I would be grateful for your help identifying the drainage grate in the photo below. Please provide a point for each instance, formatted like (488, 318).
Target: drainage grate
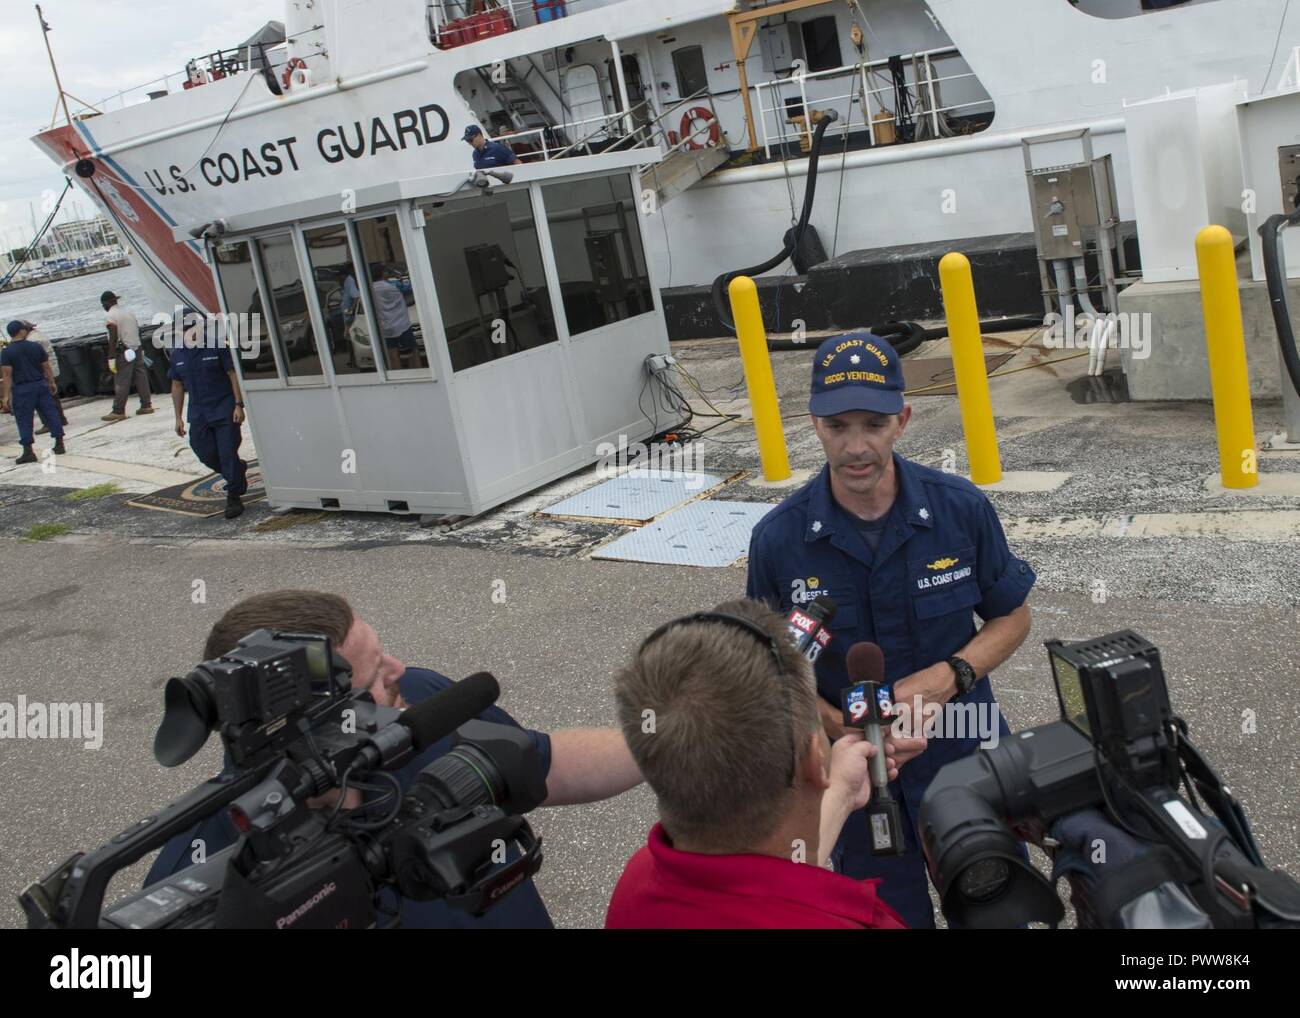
(699, 534)
(640, 495)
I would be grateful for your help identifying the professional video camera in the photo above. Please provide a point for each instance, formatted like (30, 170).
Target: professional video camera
(1099, 791)
(294, 730)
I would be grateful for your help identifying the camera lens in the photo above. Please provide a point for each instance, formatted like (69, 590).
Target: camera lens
(985, 880)
(464, 777)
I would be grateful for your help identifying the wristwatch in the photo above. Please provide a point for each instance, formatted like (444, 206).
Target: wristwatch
(965, 675)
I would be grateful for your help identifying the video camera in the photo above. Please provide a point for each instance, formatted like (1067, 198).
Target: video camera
(295, 730)
(1099, 791)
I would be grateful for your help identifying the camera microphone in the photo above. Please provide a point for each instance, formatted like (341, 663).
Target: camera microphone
(866, 705)
(807, 627)
(419, 727)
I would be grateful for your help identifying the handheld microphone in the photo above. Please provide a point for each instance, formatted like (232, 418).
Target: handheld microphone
(419, 727)
(866, 705)
(807, 627)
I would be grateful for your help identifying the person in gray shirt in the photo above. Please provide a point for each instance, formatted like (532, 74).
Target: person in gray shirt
(394, 320)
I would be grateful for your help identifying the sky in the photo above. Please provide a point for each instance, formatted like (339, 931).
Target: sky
(101, 47)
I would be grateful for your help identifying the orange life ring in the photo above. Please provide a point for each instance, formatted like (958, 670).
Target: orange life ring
(688, 125)
(290, 67)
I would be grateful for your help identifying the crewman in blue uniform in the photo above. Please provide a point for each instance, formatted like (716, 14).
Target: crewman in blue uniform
(488, 154)
(216, 412)
(909, 555)
(27, 384)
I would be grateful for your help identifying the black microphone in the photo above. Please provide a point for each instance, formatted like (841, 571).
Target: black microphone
(865, 705)
(807, 627)
(419, 727)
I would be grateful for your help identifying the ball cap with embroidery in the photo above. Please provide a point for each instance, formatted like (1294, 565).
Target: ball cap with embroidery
(857, 371)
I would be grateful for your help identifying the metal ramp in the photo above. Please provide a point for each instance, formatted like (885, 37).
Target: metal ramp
(710, 533)
(637, 496)
(681, 170)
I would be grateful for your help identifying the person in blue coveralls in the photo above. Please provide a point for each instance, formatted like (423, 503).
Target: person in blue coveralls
(216, 416)
(582, 764)
(488, 154)
(27, 386)
(909, 555)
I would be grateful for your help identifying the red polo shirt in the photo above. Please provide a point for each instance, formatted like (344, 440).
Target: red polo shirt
(662, 888)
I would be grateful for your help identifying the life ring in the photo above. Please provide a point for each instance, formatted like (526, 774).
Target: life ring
(688, 126)
(296, 64)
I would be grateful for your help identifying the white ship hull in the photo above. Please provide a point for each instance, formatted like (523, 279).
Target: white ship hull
(388, 115)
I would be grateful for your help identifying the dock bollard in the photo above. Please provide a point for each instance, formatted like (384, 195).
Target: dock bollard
(968, 365)
(757, 361)
(1225, 343)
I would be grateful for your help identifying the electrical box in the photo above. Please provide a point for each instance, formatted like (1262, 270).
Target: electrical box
(1269, 129)
(1288, 165)
(1067, 201)
(781, 45)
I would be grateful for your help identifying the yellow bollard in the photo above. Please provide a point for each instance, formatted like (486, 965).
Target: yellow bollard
(968, 365)
(758, 378)
(1226, 346)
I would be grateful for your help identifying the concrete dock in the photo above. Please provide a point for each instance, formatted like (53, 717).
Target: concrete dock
(1114, 505)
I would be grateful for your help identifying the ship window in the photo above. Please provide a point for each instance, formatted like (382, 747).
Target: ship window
(234, 263)
(338, 291)
(1115, 9)
(294, 333)
(391, 295)
(487, 268)
(821, 43)
(688, 62)
(598, 252)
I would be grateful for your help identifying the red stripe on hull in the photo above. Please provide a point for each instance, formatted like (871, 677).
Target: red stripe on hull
(147, 228)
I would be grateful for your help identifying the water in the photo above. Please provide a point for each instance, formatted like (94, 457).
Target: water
(70, 307)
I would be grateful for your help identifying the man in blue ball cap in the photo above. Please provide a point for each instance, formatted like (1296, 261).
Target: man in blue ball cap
(27, 385)
(909, 555)
(488, 154)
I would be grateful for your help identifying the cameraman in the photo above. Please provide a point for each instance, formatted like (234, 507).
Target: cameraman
(721, 714)
(584, 764)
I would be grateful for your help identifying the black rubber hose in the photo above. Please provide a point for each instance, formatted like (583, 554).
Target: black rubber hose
(912, 335)
(796, 237)
(1269, 234)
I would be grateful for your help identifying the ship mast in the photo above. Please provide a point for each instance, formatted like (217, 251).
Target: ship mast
(45, 34)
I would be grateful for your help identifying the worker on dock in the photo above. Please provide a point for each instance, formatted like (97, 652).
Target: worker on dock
(27, 385)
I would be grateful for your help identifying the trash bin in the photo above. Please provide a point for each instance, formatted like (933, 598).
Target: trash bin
(97, 353)
(157, 364)
(76, 366)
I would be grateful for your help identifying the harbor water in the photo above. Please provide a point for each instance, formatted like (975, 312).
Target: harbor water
(70, 307)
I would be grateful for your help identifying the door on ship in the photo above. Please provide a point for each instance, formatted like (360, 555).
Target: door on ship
(636, 92)
(586, 99)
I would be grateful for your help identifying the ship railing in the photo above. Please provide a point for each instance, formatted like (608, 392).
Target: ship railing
(881, 98)
(200, 71)
(638, 127)
(449, 25)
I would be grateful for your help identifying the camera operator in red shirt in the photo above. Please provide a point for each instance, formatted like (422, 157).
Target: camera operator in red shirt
(720, 712)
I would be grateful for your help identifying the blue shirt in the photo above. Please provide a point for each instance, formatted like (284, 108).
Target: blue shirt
(25, 358)
(494, 153)
(203, 372)
(942, 559)
(522, 908)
